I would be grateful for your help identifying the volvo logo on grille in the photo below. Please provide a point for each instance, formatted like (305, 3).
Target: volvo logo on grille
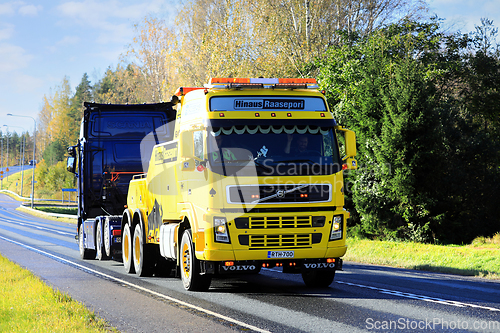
(280, 193)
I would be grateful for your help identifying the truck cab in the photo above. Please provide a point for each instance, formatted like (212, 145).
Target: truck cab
(115, 143)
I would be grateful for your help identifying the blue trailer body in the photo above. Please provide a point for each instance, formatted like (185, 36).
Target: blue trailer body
(115, 143)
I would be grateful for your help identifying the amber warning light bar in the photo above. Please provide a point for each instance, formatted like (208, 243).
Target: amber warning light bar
(270, 83)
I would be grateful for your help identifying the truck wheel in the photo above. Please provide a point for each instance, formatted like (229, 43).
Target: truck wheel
(107, 245)
(127, 249)
(190, 267)
(84, 253)
(101, 253)
(318, 279)
(141, 254)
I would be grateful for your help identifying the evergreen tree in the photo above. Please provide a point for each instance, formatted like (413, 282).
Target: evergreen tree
(82, 94)
(397, 89)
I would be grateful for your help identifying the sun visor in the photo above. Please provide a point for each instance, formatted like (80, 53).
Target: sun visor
(269, 122)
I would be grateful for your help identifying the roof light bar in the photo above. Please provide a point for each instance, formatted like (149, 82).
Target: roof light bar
(273, 83)
(181, 91)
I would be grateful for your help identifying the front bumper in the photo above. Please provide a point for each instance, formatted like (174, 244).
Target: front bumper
(254, 266)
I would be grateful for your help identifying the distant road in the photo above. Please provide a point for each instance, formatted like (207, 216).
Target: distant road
(362, 298)
(15, 169)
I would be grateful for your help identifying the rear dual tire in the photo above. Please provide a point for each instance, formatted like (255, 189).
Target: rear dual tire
(127, 249)
(143, 255)
(100, 239)
(138, 257)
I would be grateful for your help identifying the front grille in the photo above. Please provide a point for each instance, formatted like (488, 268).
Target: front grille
(272, 194)
(269, 222)
(279, 241)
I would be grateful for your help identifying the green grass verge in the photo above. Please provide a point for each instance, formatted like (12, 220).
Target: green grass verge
(59, 210)
(29, 305)
(478, 259)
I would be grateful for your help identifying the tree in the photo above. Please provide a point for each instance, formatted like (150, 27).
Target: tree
(154, 52)
(82, 94)
(419, 151)
(54, 152)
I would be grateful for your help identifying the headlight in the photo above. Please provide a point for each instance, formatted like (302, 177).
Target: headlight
(336, 232)
(221, 232)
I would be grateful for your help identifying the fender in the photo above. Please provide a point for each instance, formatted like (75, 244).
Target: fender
(126, 217)
(139, 214)
(187, 211)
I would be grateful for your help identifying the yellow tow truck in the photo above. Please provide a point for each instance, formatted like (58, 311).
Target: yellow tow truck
(252, 179)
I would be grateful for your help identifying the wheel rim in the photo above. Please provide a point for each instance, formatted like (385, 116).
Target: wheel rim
(98, 241)
(137, 248)
(186, 261)
(106, 239)
(126, 246)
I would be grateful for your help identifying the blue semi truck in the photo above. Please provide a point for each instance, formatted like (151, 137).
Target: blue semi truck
(115, 143)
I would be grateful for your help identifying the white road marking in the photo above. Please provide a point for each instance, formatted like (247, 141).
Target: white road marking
(412, 296)
(175, 300)
(420, 297)
(37, 227)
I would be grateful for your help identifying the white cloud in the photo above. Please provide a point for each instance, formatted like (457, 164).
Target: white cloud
(69, 40)
(7, 31)
(64, 42)
(13, 57)
(112, 19)
(7, 8)
(30, 10)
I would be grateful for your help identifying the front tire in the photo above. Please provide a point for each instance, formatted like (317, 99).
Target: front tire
(190, 266)
(127, 249)
(84, 253)
(318, 279)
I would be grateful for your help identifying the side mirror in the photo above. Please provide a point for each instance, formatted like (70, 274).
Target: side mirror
(72, 151)
(71, 164)
(350, 143)
(350, 162)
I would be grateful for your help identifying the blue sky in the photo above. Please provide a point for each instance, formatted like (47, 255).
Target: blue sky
(43, 41)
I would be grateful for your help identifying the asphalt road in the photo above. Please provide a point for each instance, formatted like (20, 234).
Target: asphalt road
(362, 297)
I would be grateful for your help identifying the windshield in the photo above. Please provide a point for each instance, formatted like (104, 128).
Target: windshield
(274, 150)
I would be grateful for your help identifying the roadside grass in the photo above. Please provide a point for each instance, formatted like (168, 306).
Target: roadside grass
(13, 183)
(59, 210)
(481, 258)
(29, 305)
